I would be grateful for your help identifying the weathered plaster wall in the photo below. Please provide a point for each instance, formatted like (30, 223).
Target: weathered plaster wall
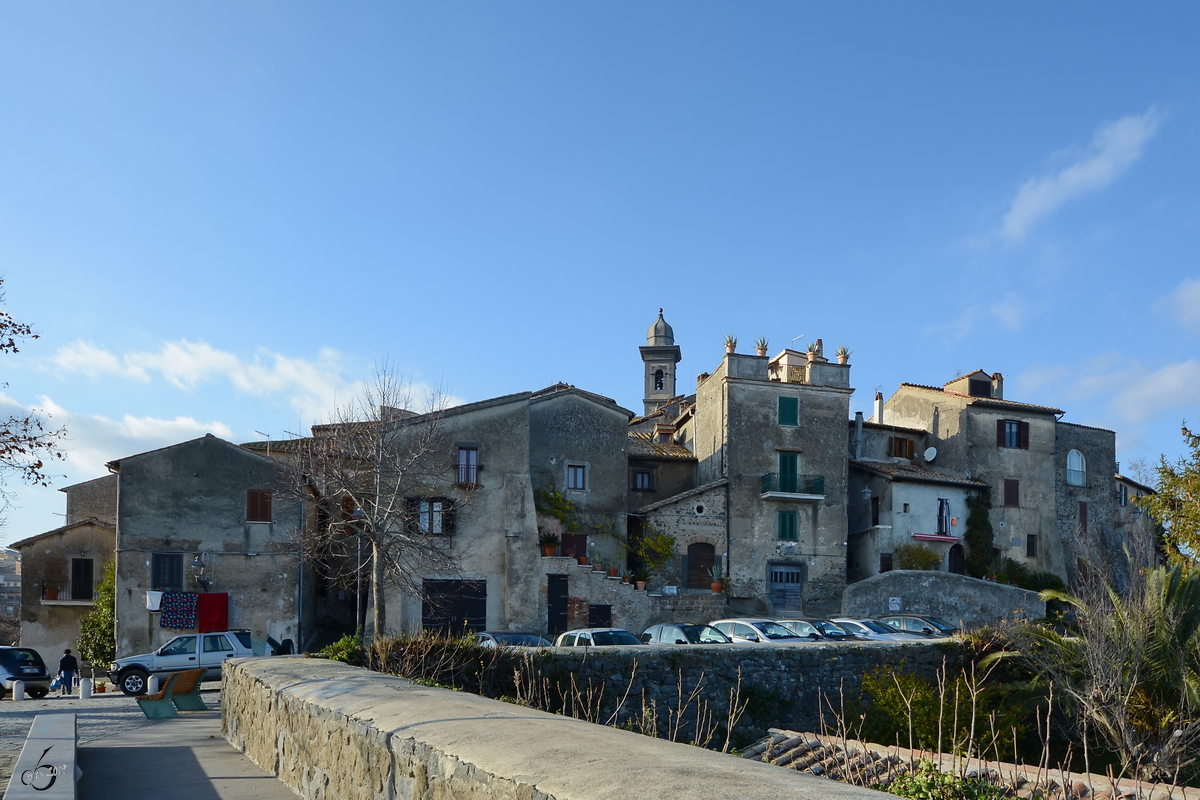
(328, 730)
(191, 498)
(95, 498)
(969, 602)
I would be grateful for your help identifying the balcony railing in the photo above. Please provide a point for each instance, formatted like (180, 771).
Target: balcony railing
(783, 483)
(74, 590)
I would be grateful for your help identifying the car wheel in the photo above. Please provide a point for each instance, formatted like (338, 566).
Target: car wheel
(133, 681)
(38, 692)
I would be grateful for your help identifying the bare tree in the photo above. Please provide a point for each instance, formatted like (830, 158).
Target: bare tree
(381, 475)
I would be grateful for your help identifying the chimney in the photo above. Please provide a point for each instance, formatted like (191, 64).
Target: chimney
(998, 386)
(820, 348)
(858, 423)
(878, 418)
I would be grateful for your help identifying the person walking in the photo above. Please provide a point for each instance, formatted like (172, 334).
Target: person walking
(67, 668)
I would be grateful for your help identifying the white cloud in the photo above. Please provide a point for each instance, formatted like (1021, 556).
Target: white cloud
(1114, 148)
(1184, 303)
(312, 387)
(1009, 311)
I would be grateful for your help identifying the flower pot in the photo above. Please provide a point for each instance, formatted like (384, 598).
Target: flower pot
(639, 585)
(51, 594)
(716, 587)
(762, 351)
(729, 348)
(583, 561)
(548, 550)
(612, 572)
(625, 579)
(843, 359)
(812, 356)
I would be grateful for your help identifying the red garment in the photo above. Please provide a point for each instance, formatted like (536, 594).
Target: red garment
(212, 613)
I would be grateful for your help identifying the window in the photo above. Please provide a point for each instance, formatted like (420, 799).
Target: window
(789, 411)
(906, 508)
(184, 645)
(166, 571)
(1083, 521)
(943, 518)
(899, 447)
(659, 381)
(576, 477)
(1012, 493)
(216, 643)
(786, 525)
(258, 505)
(1076, 469)
(1031, 546)
(643, 479)
(1124, 495)
(81, 579)
(432, 516)
(468, 465)
(978, 388)
(1012, 433)
(885, 562)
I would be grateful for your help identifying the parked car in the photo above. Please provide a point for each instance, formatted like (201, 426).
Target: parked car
(818, 629)
(189, 651)
(918, 623)
(757, 631)
(595, 637)
(494, 639)
(23, 664)
(876, 631)
(684, 633)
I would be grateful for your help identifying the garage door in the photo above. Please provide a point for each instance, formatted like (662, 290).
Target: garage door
(454, 607)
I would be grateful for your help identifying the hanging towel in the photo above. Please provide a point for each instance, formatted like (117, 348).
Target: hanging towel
(154, 601)
(178, 611)
(213, 612)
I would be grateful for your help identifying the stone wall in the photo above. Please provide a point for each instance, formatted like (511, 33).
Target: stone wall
(328, 730)
(964, 601)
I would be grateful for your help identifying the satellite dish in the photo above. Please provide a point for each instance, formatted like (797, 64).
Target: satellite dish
(930, 453)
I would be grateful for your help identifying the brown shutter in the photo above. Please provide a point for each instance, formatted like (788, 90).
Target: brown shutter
(999, 433)
(1012, 493)
(1024, 434)
(449, 520)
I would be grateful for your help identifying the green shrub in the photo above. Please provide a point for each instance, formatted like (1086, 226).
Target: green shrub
(916, 556)
(927, 782)
(348, 649)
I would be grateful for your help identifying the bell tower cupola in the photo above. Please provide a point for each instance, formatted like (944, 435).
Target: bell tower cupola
(660, 355)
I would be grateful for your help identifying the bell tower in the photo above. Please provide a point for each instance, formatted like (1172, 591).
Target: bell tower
(660, 355)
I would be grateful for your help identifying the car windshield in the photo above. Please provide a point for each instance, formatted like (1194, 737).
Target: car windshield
(877, 627)
(520, 639)
(774, 631)
(830, 629)
(15, 658)
(703, 634)
(614, 637)
(940, 624)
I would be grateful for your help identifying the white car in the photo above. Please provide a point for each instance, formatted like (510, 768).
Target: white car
(754, 630)
(189, 651)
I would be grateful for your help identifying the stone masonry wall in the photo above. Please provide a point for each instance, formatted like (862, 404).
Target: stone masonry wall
(328, 730)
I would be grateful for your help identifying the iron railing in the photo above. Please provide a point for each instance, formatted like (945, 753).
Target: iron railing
(793, 484)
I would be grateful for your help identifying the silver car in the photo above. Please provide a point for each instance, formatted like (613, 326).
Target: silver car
(755, 630)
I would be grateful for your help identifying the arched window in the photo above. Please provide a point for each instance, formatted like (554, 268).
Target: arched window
(658, 380)
(1076, 469)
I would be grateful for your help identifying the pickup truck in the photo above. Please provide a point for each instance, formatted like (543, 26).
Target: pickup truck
(189, 651)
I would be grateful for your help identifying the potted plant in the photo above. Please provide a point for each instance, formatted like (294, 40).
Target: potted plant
(843, 355)
(813, 351)
(730, 343)
(54, 577)
(583, 561)
(760, 347)
(100, 687)
(549, 543)
(714, 575)
(640, 578)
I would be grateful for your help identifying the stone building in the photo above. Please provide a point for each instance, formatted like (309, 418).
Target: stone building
(202, 517)
(1050, 482)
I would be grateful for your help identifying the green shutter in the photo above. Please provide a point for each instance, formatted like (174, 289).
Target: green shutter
(789, 411)
(787, 525)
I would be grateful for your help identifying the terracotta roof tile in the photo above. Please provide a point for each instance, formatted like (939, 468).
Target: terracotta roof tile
(905, 471)
(988, 401)
(642, 445)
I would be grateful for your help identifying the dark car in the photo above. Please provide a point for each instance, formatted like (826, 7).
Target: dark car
(819, 629)
(919, 623)
(23, 664)
(684, 633)
(493, 639)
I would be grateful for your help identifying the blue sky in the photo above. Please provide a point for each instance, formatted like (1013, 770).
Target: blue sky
(221, 215)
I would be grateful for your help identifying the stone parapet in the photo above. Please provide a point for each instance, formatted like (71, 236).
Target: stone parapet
(328, 730)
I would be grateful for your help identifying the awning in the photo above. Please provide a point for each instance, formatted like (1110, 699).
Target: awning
(934, 537)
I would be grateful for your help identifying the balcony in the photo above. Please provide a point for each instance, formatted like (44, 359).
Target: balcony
(793, 487)
(75, 593)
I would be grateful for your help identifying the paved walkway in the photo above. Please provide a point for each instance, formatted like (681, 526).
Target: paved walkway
(125, 756)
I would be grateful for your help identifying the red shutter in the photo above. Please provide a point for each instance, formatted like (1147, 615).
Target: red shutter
(999, 433)
(1024, 434)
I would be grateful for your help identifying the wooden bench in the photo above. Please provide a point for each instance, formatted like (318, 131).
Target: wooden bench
(46, 768)
(159, 706)
(185, 694)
